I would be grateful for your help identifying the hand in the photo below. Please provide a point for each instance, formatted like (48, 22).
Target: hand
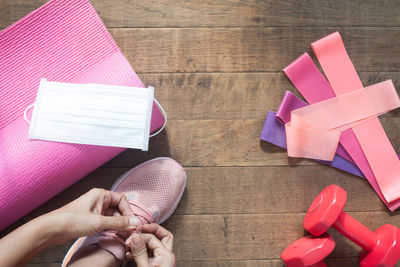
(87, 215)
(156, 239)
(92, 213)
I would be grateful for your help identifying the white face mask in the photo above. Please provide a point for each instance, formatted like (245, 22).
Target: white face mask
(93, 114)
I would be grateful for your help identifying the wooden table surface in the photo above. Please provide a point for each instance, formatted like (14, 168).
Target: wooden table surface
(216, 66)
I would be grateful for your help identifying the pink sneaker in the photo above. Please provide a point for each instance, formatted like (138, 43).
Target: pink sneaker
(154, 189)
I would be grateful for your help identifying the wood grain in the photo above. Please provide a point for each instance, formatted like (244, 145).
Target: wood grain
(250, 49)
(343, 262)
(223, 143)
(231, 96)
(222, 13)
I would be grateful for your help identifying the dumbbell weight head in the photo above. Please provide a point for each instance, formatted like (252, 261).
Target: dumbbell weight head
(387, 253)
(308, 251)
(380, 248)
(325, 210)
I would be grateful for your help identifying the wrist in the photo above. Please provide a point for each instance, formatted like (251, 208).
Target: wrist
(47, 229)
(18, 247)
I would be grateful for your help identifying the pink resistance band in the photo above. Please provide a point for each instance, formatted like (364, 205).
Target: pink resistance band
(306, 77)
(310, 82)
(377, 148)
(314, 130)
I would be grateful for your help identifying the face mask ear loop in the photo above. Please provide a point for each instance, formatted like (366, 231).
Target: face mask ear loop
(165, 119)
(25, 111)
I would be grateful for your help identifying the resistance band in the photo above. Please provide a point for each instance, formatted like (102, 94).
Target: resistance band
(289, 103)
(306, 77)
(377, 148)
(274, 132)
(314, 130)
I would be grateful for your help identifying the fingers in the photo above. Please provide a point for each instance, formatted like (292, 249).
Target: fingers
(103, 201)
(139, 251)
(117, 222)
(119, 201)
(161, 255)
(152, 242)
(161, 233)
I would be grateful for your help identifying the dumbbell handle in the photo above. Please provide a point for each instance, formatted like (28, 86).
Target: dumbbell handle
(356, 232)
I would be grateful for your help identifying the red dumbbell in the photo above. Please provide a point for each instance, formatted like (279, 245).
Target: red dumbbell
(308, 251)
(380, 248)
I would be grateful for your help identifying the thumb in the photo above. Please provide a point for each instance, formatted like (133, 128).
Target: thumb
(139, 251)
(119, 222)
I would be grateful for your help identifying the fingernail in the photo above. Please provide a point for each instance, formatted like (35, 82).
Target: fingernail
(136, 240)
(134, 221)
(128, 255)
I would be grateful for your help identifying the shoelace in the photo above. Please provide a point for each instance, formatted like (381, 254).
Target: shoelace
(140, 211)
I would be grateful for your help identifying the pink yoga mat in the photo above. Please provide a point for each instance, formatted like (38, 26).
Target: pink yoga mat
(64, 40)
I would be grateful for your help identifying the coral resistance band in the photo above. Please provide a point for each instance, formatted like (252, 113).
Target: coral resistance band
(370, 134)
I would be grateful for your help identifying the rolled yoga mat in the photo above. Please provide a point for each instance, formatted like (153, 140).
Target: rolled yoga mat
(65, 41)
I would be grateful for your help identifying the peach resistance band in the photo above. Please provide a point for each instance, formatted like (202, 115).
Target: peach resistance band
(377, 148)
(290, 102)
(306, 77)
(274, 132)
(314, 130)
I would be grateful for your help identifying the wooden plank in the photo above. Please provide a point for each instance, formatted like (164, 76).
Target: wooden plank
(249, 190)
(220, 13)
(223, 143)
(242, 237)
(194, 96)
(166, 50)
(211, 143)
(218, 95)
(249, 49)
(343, 262)
(244, 263)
